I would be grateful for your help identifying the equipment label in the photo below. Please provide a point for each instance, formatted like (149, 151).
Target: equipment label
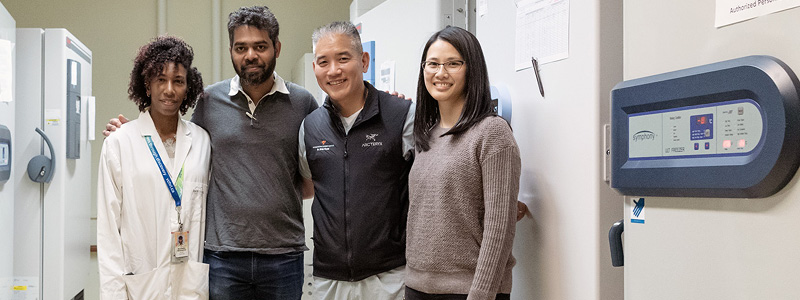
(637, 213)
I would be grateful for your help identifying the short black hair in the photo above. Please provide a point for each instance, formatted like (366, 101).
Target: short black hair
(257, 16)
(478, 97)
(151, 60)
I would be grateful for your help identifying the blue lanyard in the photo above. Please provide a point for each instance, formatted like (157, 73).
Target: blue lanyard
(172, 190)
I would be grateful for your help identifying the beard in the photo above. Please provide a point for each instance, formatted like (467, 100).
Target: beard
(256, 77)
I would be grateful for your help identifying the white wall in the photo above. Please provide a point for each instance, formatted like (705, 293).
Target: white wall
(359, 7)
(562, 251)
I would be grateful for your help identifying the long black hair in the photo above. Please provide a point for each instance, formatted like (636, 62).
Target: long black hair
(477, 104)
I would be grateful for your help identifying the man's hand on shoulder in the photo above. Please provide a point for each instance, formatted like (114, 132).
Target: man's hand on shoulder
(399, 95)
(113, 124)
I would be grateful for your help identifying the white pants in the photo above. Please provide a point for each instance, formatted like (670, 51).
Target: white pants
(389, 285)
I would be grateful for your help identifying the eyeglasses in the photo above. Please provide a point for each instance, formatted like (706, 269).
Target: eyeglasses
(450, 66)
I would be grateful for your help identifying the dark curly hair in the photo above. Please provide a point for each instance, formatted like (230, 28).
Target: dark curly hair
(151, 61)
(257, 16)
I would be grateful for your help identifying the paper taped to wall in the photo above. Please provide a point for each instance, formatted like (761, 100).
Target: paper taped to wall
(542, 32)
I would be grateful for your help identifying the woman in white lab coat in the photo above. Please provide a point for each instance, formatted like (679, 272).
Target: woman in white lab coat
(150, 224)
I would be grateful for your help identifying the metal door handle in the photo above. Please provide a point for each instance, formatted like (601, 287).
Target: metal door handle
(615, 242)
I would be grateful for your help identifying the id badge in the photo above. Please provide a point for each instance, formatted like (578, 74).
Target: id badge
(180, 246)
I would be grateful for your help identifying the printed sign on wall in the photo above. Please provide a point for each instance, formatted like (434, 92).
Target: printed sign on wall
(733, 11)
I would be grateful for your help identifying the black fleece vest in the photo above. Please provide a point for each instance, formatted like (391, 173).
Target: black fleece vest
(360, 188)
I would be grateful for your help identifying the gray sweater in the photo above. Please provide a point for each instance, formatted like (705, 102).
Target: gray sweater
(461, 217)
(254, 200)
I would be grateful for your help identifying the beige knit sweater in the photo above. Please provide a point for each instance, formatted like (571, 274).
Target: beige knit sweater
(462, 212)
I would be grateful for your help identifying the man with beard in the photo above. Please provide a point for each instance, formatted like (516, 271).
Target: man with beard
(254, 236)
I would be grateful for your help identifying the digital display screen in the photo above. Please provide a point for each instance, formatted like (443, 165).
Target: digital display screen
(702, 127)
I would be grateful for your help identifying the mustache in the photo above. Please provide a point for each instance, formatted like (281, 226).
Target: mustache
(253, 64)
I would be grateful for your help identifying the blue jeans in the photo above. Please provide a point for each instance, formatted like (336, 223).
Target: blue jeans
(247, 275)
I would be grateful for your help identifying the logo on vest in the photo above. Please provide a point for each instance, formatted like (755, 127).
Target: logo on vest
(370, 141)
(323, 147)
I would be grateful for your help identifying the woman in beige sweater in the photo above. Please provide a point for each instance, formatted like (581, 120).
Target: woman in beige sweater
(465, 179)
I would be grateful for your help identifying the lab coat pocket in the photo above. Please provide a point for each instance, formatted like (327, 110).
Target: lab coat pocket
(150, 285)
(197, 200)
(190, 279)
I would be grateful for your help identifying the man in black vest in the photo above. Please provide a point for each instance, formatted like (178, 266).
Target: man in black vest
(358, 149)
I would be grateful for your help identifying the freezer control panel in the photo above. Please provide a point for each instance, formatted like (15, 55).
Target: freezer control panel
(729, 129)
(726, 128)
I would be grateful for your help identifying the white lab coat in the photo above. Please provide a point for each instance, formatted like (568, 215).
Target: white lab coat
(136, 213)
